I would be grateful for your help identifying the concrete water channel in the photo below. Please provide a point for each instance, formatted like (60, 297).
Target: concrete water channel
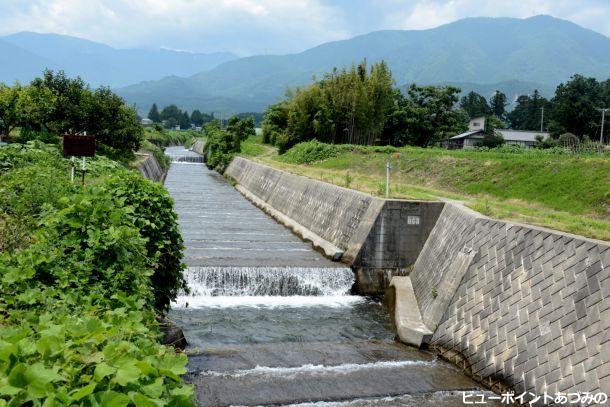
(270, 321)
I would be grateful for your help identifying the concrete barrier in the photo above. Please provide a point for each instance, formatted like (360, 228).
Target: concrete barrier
(523, 304)
(149, 167)
(378, 238)
(198, 147)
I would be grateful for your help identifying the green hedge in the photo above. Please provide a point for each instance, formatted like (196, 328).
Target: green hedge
(79, 296)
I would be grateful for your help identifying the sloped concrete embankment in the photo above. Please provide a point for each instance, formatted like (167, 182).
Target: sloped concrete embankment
(378, 238)
(198, 147)
(525, 305)
(522, 304)
(149, 167)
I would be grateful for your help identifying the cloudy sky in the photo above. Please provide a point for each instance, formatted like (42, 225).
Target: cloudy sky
(266, 26)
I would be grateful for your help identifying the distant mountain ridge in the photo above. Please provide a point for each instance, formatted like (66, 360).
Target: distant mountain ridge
(25, 55)
(540, 51)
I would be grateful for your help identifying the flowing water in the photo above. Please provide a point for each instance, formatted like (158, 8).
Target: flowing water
(270, 321)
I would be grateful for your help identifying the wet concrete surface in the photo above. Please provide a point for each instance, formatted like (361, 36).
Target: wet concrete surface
(221, 228)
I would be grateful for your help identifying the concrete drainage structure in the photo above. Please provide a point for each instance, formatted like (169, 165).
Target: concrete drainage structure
(522, 304)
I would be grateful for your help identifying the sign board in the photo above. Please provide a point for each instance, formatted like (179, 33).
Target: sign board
(79, 146)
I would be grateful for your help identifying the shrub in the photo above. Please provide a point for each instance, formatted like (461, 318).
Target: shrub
(78, 324)
(309, 152)
(157, 222)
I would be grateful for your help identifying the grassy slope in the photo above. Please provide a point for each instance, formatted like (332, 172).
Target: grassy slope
(559, 192)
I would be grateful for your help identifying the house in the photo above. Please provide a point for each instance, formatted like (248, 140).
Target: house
(146, 122)
(476, 133)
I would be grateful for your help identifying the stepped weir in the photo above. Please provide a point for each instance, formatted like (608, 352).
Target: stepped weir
(270, 321)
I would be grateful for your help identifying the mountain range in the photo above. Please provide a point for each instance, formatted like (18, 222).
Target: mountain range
(512, 55)
(481, 54)
(23, 56)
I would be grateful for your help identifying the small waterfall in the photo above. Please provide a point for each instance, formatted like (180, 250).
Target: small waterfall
(186, 159)
(269, 281)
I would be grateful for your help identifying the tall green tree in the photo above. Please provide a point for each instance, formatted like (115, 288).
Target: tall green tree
(527, 114)
(431, 116)
(475, 105)
(185, 121)
(497, 104)
(9, 108)
(154, 115)
(171, 112)
(197, 117)
(575, 107)
(345, 106)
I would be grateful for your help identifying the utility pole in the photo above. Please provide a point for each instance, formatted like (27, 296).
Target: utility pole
(542, 120)
(388, 167)
(601, 137)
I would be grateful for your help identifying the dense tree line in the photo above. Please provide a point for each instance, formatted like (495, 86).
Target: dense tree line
(573, 109)
(174, 116)
(360, 105)
(56, 104)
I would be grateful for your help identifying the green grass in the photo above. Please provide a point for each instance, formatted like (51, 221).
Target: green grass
(558, 191)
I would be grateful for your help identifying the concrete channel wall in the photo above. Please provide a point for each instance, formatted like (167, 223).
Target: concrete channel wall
(149, 167)
(378, 238)
(523, 304)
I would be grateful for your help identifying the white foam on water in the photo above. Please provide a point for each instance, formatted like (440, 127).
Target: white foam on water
(264, 301)
(435, 398)
(266, 281)
(320, 370)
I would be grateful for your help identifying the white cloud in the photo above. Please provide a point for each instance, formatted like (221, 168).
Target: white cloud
(423, 14)
(265, 26)
(239, 25)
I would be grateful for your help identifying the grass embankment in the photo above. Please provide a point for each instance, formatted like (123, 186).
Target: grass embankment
(549, 189)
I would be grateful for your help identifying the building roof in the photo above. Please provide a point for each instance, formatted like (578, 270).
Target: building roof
(509, 135)
(520, 135)
(466, 134)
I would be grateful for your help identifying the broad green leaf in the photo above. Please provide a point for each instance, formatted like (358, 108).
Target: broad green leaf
(127, 374)
(154, 389)
(102, 370)
(112, 399)
(84, 391)
(17, 376)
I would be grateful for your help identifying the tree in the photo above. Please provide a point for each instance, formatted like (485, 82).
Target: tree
(153, 114)
(492, 137)
(9, 108)
(575, 107)
(497, 104)
(55, 104)
(114, 124)
(197, 118)
(475, 105)
(345, 106)
(172, 114)
(185, 121)
(275, 121)
(527, 113)
(241, 130)
(430, 115)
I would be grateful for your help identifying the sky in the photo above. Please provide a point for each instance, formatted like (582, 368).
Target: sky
(248, 27)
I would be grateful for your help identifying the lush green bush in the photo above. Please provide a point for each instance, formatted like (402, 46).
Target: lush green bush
(309, 152)
(157, 222)
(221, 145)
(78, 298)
(313, 151)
